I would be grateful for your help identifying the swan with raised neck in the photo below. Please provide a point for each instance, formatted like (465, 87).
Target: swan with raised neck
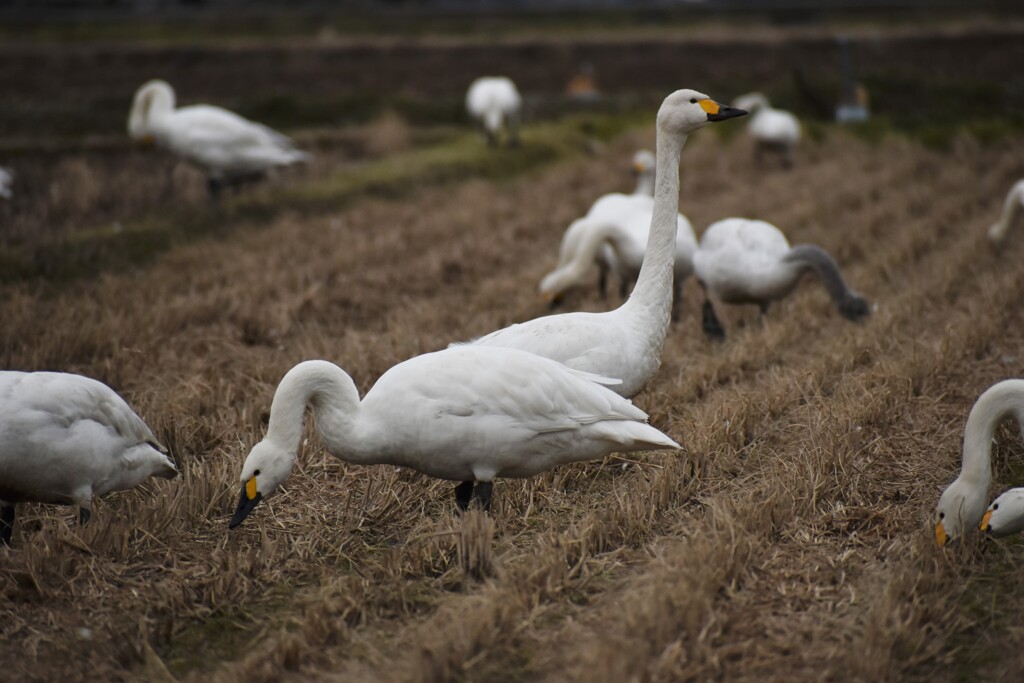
(467, 414)
(626, 343)
(962, 505)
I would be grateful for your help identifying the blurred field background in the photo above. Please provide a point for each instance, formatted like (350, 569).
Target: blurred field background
(791, 540)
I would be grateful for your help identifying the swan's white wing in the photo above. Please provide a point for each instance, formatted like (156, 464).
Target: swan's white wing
(220, 139)
(470, 412)
(65, 437)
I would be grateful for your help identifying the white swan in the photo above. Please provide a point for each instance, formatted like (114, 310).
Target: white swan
(1011, 210)
(1005, 516)
(231, 149)
(743, 261)
(466, 413)
(495, 102)
(6, 182)
(611, 207)
(626, 343)
(626, 240)
(66, 439)
(774, 130)
(962, 505)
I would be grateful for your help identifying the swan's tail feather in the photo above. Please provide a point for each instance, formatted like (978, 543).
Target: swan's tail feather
(636, 436)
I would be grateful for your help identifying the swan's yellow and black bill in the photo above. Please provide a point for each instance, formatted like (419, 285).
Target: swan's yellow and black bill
(985, 520)
(720, 112)
(249, 499)
(147, 139)
(940, 534)
(638, 167)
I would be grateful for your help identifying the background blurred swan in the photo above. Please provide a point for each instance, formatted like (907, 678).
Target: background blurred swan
(773, 130)
(495, 102)
(231, 150)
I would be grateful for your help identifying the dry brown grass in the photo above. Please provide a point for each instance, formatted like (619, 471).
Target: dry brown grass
(789, 541)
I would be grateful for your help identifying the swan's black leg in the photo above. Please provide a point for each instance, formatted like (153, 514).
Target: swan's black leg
(602, 281)
(463, 494)
(712, 326)
(6, 523)
(83, 516)
(483, 494)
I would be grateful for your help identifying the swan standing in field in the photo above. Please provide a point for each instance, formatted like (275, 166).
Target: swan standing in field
(65, 439)
(1011, 210)
(495, 102)
(626, 240)
(466, 413)
(962, 505)
(773, 130)
(626, 343)
(743, 261)
(613, 206)
(1005, 515)
(231, 150)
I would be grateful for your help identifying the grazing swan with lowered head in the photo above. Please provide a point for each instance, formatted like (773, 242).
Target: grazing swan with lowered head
(743, 261)
(625, 238)
(773, 130)
(231, 150)
(495, 102)
(625, 210)
(1005, 516)
(66, 439)
(1011, 209)
(466, 413)
(626, 343)
(962, 505)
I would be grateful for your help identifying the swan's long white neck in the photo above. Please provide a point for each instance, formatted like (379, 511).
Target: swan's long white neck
(998, 403)
(645, 184)
(653, 289)
(152, 103)
(333, 397)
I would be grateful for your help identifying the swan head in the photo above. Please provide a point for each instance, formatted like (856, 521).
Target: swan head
(644, 162)
(854, 306)
(265, 469)
(685, 111)
(1005, 515)
(153, 97)
(961, 507)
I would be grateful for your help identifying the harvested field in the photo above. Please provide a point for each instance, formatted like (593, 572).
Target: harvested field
(789, 541)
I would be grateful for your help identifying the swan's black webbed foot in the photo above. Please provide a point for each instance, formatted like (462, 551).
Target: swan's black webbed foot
(483, 494)
(709, 321)
(83, 516)
(463, 494)
(6, 524)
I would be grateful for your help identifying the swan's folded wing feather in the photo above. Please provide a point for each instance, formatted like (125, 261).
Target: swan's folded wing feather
(67, 400)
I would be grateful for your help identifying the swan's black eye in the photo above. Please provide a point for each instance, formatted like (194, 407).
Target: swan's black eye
(996, 506)
(942, 515)
(256, 473)
(693, 100)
